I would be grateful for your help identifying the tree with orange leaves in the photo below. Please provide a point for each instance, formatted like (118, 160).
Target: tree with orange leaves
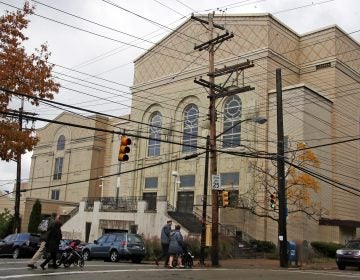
(301, 188)
(30, 74)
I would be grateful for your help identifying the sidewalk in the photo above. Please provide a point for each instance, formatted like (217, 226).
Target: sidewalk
(270, 264)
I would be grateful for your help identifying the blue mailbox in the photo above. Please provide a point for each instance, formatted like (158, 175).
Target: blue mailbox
(292, 252)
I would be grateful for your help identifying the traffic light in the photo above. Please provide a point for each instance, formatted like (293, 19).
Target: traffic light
(124, 149)
(225, 198)
(273, 200)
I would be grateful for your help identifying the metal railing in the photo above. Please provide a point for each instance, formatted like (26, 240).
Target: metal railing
(73, 212)
(121, 204)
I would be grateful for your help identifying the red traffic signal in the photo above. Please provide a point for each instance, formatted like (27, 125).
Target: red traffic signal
(124, 149)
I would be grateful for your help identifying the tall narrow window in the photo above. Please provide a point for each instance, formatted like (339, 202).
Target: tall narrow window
(55, 194)
(191, 116)
(61, 143)
(58, 168)
(150, 198)
(286, 146)
(232, 126)
(154, 135)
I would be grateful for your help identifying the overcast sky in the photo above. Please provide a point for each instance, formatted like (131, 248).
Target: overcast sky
(103, 37)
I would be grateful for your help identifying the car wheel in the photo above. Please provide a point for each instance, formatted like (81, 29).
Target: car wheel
(16, 253)
(341, 266)
(86, 255)
(114, 256)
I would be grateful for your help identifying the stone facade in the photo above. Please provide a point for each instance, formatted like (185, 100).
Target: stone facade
(66, 158)
(317, 69)
(320, 79)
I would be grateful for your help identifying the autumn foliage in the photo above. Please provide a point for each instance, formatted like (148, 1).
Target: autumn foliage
(20, 72)
(301, 188)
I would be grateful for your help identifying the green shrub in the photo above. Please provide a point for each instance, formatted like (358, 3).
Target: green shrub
(6, 223)
(327, 249)
(153, 248)
(226, 247)
(263, 246)
(194, 245)
(35, 217)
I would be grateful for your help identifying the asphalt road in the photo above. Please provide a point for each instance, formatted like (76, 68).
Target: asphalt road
(16, 269)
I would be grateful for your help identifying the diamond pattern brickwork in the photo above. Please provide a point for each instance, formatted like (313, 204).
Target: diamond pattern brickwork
(316, 47)
(348, 52)
(173, 54)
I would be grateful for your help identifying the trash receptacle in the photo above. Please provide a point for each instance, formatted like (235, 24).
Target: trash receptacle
(292, 252)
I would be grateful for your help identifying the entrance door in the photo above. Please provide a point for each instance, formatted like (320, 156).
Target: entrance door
(185, 202)
(87, 231)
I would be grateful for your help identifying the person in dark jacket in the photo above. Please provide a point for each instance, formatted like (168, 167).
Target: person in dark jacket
(165, 240)
(176, 246)
(43, 238)
(52, 244)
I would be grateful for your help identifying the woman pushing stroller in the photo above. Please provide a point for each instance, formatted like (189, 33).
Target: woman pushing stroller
(176, 247)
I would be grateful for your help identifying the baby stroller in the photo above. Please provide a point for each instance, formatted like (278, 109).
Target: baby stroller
(187, 258)
(72, 255)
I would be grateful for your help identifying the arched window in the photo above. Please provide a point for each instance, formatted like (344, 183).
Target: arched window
(191, 115)
(232, 126)
(154, 135)
(61, 143)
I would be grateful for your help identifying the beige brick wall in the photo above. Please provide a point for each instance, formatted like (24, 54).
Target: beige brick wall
(320, 106)
(83, 159)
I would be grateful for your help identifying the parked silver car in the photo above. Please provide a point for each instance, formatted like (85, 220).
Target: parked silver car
(115, 246)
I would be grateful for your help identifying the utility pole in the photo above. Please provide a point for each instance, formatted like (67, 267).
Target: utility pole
(18, 177)
(281, 172)
(204, 206)
(216, 91)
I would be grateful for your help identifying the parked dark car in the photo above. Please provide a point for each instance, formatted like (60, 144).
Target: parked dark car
(19, 245)
(115, 246)
(349, 255)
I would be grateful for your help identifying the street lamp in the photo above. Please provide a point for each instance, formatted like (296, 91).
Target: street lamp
(176, 176)
(101, 185)
(256, 119)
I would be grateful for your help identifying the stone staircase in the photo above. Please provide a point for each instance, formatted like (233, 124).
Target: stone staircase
(187, 220)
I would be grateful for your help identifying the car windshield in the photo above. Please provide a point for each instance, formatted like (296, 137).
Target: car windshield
(102, 239)
(134, 239)
(10, 238)
(23, 237)
(353, 245)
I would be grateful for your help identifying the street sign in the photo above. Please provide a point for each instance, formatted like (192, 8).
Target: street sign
(215, 182)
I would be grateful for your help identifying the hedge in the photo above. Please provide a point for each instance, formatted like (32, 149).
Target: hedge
(327, 249)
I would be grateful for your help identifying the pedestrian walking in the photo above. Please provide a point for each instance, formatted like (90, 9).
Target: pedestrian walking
(43, 237)
(52, 244)
(165, 240)
(176, 246)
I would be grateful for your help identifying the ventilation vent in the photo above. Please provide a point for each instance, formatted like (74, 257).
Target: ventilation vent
(323, 65)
